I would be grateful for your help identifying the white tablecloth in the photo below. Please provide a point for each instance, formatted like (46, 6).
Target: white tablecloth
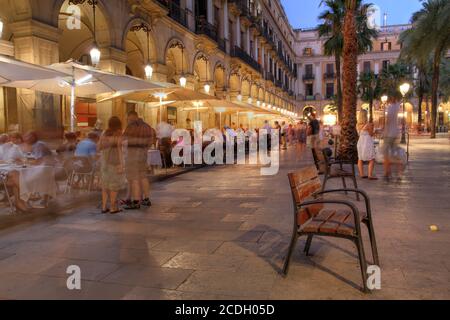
(154, 158)
(34, 180)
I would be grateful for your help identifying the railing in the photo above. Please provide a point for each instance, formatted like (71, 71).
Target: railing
(178, 14)
(244, 56)
(269, 77)
(207, 29)
(329, 75)
(222, 44)
(308, 77)
(310, 98)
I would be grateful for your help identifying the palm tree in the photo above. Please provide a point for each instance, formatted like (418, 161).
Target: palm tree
(392, 77)
(430, 36)
(332, 30)
(369, 89)
(349, 136)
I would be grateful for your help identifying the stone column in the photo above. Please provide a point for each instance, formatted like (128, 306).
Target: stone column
(238, 31)
(225, 24)
(112, 60)
(210, 11)
(191, 16)
(37, 43)
(318, 79)
(247, 40)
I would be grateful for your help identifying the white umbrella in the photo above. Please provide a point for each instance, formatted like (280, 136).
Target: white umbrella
(82, 81)
(15, 70)
(168, 91)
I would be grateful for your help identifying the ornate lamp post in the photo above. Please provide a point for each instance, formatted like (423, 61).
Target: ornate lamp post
(95, 52)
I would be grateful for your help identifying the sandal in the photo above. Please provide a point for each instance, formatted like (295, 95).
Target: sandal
(105, 211)
(373, 178)
(364, 177)
(116, 211)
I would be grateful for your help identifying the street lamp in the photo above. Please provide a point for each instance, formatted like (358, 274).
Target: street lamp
(148, 68)
(95, 52)
(404, 89)
(384, 100)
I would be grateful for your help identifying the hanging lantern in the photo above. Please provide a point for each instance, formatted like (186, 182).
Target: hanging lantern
(95, 55)
(148, 71)
(183, 81)
(207, 88)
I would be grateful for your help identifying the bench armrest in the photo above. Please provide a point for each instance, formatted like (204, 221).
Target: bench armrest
(358, 191)
(349, 204)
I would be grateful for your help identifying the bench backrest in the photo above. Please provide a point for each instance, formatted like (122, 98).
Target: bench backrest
(304, 183)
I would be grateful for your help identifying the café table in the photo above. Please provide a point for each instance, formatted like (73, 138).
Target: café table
(33, 179)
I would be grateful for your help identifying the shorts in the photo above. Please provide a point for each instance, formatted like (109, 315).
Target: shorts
(136, 164)
(389, 147)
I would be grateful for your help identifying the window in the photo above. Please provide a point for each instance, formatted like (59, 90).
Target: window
(309, 91)
(330, 90)
(367, 67)
(386, 64)
(330, 68)
(308, 52)
(386, 46)
(309, 69)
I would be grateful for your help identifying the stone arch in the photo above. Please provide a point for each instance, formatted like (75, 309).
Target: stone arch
(176, 59)
(254, 91)
(307, 110)
(220, 77)
(245, 88)
(201, 67)
(13, 11)
(139, 46)
(77, 43)
(261, 94)
(234, 83)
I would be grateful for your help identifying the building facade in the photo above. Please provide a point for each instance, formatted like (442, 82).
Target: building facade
(243, 49)
(317, 74)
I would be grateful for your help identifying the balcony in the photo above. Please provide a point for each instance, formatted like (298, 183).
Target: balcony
(237, 52)
(178, 14)
(269, 77)
(242, 6)
(309, 98)
(329, 75)
(308, 77)
(203, 27)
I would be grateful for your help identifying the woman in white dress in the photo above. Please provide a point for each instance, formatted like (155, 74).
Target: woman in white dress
(366, 150)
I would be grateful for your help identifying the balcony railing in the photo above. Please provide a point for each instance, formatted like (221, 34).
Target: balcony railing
(329, 75)
(269, 77)
(178, 14)
(309, 98)
(244, 56)
(308, 77)
(207, 29)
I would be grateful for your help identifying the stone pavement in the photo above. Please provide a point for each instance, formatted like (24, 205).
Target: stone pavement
(222, 233)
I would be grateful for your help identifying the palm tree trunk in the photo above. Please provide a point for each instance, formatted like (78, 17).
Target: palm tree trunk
(434, 91)
(339, 86)
(349, 137)
(371, 110)
(419, 116)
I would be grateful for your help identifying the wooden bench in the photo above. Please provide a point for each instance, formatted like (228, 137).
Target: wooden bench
(316, 216)
(333, 168)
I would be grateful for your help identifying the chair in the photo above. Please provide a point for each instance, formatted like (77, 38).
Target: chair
(81, 170)
(317, 216)
(326, 166)
(4, 189)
